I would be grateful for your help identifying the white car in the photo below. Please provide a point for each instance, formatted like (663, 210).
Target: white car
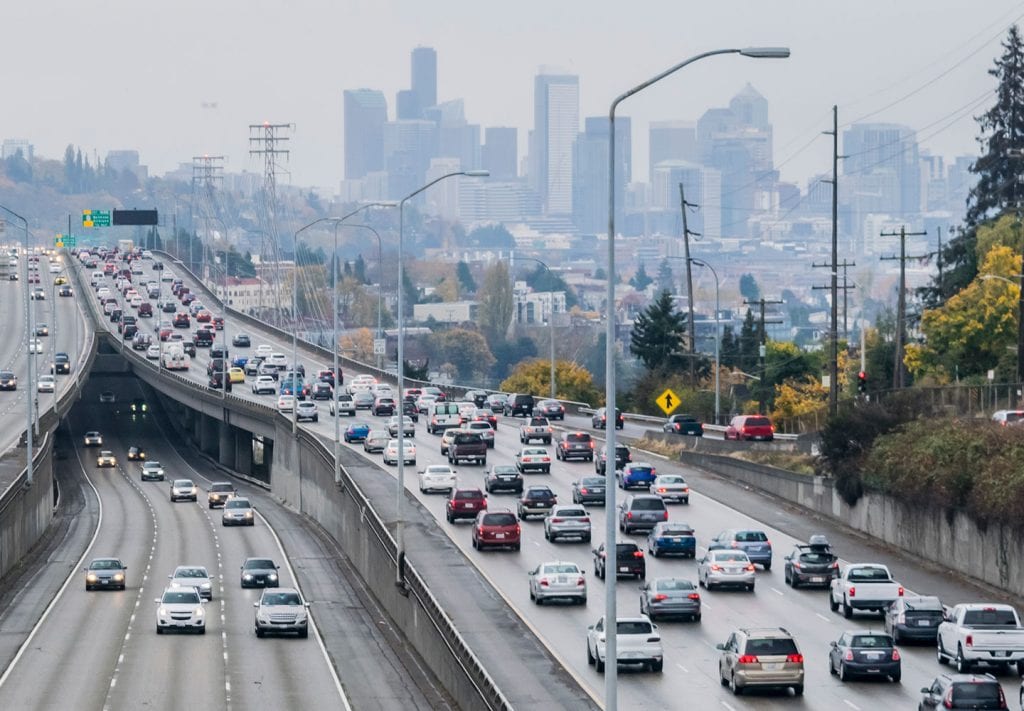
(183, 490)
(264, 384)
(54, 268)
(671, 487)
(93, 439)
(263, 350)
(404, 423)
(637, 642)
(408, 449)
(483, 429)
(35, 345)
(558, 579)
(278, 360)
(285, 403)
(281, 610)
(47, 384)
(153, 352)
(192, 576)
(180, 609)
(307, 411)
(437, 477)
(135, 301)
(238, 511)
(167, 276)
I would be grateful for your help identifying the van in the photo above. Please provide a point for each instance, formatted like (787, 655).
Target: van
(443, 416)
(97, 278)
(175, 359)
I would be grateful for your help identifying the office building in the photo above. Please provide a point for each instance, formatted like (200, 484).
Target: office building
(702, 186)
(556, 119)
(879, 148)
(500, 152)
(366, 112)
(11, 146)
(590, 172)
(409, 145)
(671, 140)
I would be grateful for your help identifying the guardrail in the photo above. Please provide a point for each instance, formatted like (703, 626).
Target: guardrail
(8, 495)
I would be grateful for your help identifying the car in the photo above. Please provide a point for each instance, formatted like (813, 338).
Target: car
(670, 597)
(285, 403)
(503, 477)
(356, 432)
(65, 290)
(327, 376)
(13, 276)
(437, 393)
(533, 459)
(307, 411)
(536, 501)
(264, 385)
(496, 529)
(443, 415)
(622, 457)
(496, 402)
(464, 503)
(637, 642)
(963, 691)
(518, 404)
(599, 420)
(466, 410)
(671, 487)
(446, 439)
(141, 341)
(182, 320)
(558, 580)
(153, 353)
(259, 573)
(106, 458)
(423, 403)
(536, 428)
(750, 427)
(183, 490)
(589, 490)
(567, 521)
(409, 410)
(1008, 417)
(641, 512)
(575, 445)
(195, 577)
(321, 390)
(105, 574)
(636, 475)
(753, 542)
(151, 471)
(485, 415)
(236, 375)
(8, 380)
(107, 397)
(252, 367)
(37, 294)
(238, 511)
(864, 653)
(42, 329)
(278, 360)
(35, 345)
(477, 397)
(46, 384)
(376, 441)
(263, 350)
(761, 658)
(914, 618)
(551, 409)
(342, 405)
(363, 400)
(437, 477)
(812, 564)
(136, 453)
(180, 609)
(467, 445)
(671, 538)
(241, 340)
(219, 493)
(481, 428)
(404, 423)
(726, 567)
(281, 611)
(408, 450)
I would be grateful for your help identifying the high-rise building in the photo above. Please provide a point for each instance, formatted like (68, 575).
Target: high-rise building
(424, 76)
(876, 148)
(408, 148)
(556, 122)
(11, 146)
(500, 152)
(702, 187)
(366, 112)
(672, 140)
(590, 172)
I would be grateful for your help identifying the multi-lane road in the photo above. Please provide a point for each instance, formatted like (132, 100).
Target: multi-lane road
(690, 671)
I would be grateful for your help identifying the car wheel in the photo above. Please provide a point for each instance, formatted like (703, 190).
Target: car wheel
(475, 544)
(767, 567)
(303, 634)
(736, 690)
(260, 633)
(832, 604)
(599, 665)
(847, 610)
(940, 653)
(896, 635)
(696, 618)
(962, 665)
(896, 677)
(656, 667)
(798, 690)
(516, 547)
(159, 629)
(843, 674)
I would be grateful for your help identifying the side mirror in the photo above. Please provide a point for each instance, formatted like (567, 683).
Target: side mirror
(306, 604)
(590, 628)
(720, 647)
(255, 604)
(156, 600)
(832, 644)
(925, 690)
(170, 577)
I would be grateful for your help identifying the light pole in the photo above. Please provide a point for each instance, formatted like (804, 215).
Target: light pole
(702, 263)
(28, 341)
(399, 542)
(611, 651)
(551, 322)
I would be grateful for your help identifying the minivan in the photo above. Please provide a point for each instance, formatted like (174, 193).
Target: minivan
(519, 404)
(641, 512)
(442, 416)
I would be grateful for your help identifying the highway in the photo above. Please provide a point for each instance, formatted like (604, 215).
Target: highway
(690, 658)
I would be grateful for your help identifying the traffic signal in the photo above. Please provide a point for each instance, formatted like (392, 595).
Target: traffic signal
(862, 382)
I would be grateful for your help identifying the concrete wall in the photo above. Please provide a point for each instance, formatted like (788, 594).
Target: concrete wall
(25, 512)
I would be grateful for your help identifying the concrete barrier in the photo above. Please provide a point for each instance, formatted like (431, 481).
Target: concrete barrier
(25, 511)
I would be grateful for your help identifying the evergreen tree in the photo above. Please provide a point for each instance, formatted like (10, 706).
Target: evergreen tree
(600, 273)
(749, 344)
(729, 350)
(658, 334)
(749, 289)
(465, 277)
(641, 280)
(359, 269)
(70, 179)
(666, 280)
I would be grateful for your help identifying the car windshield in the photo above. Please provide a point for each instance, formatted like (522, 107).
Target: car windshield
(534, 452)
(468, 495)
(654, 504)
(815, 558)
(499, 519)
(675, 531)
(181, 598)
(572, 512)
(259, 563)
(281, 598)
(577, 437)
(504, 469)
(592, 481)
(991, 616)
(730, 556)
(539, 492)
(871, 640)
(673, 584)
(671, 479)
(190, 573)
(182, 483)
(771, 647)
(560, 568)
(467, 438)
(222, 487)
(757, 422)
(626, 550)
(868, 575)
(438, 469)
(967, 692)
(633, 627)
(751, 536)
(106, 565)
(237, 504)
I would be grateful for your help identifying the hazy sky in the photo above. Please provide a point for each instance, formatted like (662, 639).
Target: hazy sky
(111, 74)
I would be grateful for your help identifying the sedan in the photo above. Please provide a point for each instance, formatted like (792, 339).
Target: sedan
(670, 538)
(241, 340)
(180, 609)
(859, 653)
(376, 441)
(588, 490)
(192, 576)
(503, 477)
(259, 573)
(106, 458)
(153, 353)
(152, 471)
(236, 375)
(671, 487)
(35, 345)
(437, 477)
(281, 611)
(285, 403)
(42, 329)
(670, 597)
(551, 409)
(558, 580)
(107, 397)
(724, 568)
(307, 411)
(363, 400)
(567, 521)
(391, 452)
(183, 490)
(533, 459)
(356, 432)
(105, 574)
(136, 453)
(406, 424)
(485, 415)
(238, 512)
(636, 475)
(264, 385)
(46, 384)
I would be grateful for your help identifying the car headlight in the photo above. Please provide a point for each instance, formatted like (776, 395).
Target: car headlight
(272, 576)
(198, 612)
(118, 577)
(91, 577)
(205, 586)
(248, 514)
(162, 611)
(247, 577)
(192, 490)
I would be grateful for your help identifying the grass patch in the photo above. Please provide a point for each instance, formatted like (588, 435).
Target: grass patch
(790, 461)
(665, 449)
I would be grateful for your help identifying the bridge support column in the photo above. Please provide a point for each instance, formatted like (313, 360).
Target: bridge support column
(243, 451)
(226, 445)
(209, 435)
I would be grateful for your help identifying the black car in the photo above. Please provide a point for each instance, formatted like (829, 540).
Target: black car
(589, 490)
(259, 573)
(811, 564)
(622, 457)
(189, 347)
(683, 425)
(600, 417)
(575, 445)
(65, 290)
(61, 365)
(478, 397)
(241, 340)
(218, 351)
(536, 501)
(503, 477)
(914, 618)
(203, 338)
(551, 409)
(321, 391)
(859, 653)
(129, 331)
(629, 560)
(963, 691)
(519, 404)
(409, 409)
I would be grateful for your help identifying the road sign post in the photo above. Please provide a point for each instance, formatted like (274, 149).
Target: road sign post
(378, 346)
(667, 401)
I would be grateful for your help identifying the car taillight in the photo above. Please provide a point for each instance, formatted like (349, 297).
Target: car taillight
(747, 659)
(895, 655)
(716, 566)
(585, 519)
(853, 591)
(750, 567)
(848, 656)
(969, 640)
(517, 529)
(948, 700)
(629, 515)
(556, 520)
(835, 565)
(659, 597)
(900, 591)
(581, 581)
(543, 583)
(796, 564)
(1002, 698)
(591, 444)
(665, 516)
(734, 544)
(796, 658)
(638, 554)
(771, 427)
(694, 596)
(480, 531)
(901, 619)
(583, 491)
(548, 459)
(662, 489)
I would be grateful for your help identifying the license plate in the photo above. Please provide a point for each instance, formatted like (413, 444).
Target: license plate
(675, 540)
(872, 655)
(773, 666)
(817, 579)
(648, 517)
(499, 535)
(924, 623)
(467, 506)
(561, 580)
(623, 568)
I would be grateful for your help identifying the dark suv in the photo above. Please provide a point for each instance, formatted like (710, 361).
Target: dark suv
(641, 512)
(519, 404)
(575, 445)
(622, 457)
(963, 691)
(600, 417)
(464, 503)
(812, 564)
(467, 445)
(629, 560)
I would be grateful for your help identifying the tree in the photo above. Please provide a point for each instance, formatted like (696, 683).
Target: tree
(573, 381)
(411, 292)
(749, 289)
(658, 334)
(466, 350)
(492, 237)
(996, 192)
(600, 273)
(495, 302)
(358, 345)
(542, 280)
(448, 289)
(665, 280)
(641, 280)
(359, 269)
(305, 256)
(465, 277)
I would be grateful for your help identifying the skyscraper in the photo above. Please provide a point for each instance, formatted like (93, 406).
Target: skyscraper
(366, 112)
(875, 148)
(672, 140)
(590, 172)
(556, 122)
(501, 152)
(408, 148)
(411, 103)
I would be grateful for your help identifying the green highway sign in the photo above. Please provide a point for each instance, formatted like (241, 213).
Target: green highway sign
(95, 218)
(64, 241)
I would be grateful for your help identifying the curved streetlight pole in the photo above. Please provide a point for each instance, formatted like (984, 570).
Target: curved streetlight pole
(29, 400)
(610, 616)
(399, 541)
(551, 321)
(702, 263)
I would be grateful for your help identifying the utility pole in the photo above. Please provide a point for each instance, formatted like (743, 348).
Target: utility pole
(692, 350)
(263, 141)
(833, 365)
(762, 348)
(899, 376)
(207, 175)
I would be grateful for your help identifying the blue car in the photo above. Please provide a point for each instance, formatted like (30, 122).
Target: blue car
(356, 432)
(638, 475)
(672, 538)
(239, 362)
(753, 542)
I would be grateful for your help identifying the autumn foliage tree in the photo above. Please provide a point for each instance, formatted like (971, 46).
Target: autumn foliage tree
(572, 381)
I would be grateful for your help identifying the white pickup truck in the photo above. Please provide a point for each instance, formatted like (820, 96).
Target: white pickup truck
(863, 586)
(975, 633)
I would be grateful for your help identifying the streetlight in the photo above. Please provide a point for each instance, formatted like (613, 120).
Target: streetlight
(28, 341)
(551, 322)
(611, 670)
(399, 542)
(718, 365)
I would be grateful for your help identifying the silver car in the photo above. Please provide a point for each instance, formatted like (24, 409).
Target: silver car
(105, 574)
(184, 490)
(671, 487)
(192, 576)
(725, 567)
(281, 611)
(152, 471)
(407, 425)
(376, 441)
(483, 429)
(568, 521)
(670, 597)
(558, 579)
(180, 609)
(238, 512)
(93, 439)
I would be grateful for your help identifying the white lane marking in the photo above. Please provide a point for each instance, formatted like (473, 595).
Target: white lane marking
(683, 668)
(778, 592)
(852, 705)
(727, 705)
(822, 617)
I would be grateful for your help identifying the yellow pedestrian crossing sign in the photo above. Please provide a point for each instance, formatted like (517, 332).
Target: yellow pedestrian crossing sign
(668, 401)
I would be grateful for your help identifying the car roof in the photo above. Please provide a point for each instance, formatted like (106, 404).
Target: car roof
(772, 632)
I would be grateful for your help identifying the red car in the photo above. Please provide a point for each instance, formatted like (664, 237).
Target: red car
(496, 529)
(165, 333)
(218, 323)
(486, 415)
(182, 320)
(204, 316)
(755, 427)
(464, 503)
